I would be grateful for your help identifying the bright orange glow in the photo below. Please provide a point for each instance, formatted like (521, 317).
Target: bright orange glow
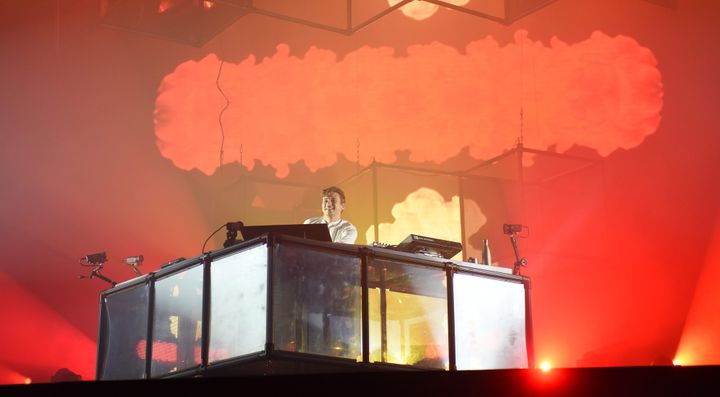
(545, 366)
(28, 381)
(208, 4)
(164, 5)
(43, 337)
(419, 10)
(10, 377)
(603, 93)
(700, 341)
(677, 362)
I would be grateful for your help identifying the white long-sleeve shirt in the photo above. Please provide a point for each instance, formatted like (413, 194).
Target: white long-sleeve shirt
(341, 231)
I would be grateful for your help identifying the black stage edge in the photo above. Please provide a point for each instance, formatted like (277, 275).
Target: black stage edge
(613, 381)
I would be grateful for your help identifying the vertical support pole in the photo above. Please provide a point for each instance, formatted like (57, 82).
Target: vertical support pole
(463, 235)
(383, 317)
(349, 17)
(101, 341)
(365, 306)
(530, 343)
(376, 220)
(269, 290)
(151, 319)
(205, 340)
(521, 180)
(449, 270)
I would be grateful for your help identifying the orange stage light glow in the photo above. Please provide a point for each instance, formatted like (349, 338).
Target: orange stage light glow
(420, 10)
(42, 340)
(164, 5)
(603, 93)
(545, 366)
(700, 341)
(10, 377)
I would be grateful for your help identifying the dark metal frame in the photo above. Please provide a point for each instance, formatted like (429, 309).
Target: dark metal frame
(248, 6)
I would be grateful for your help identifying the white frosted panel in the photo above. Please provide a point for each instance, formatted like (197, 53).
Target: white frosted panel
(238, 319)
(489, 323)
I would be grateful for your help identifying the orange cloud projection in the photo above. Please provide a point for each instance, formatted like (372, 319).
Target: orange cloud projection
(603, 93)
(425, 212)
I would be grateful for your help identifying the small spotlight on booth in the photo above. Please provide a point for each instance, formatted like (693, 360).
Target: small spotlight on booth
(97, 262)
(95, 259)
(512, 230)
(134, 262)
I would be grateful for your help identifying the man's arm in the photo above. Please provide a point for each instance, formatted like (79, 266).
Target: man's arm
(348, 234)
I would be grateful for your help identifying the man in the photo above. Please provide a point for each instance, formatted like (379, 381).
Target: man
(333, 204)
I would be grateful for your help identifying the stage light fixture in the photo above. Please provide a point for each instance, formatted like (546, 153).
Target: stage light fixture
(192, 22)
(195, 22)
(501, 11)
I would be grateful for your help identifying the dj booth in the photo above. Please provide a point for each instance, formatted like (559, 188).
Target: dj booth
(279, 304)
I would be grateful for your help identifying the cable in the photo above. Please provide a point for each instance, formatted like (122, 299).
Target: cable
(227, 104)
(209, 237)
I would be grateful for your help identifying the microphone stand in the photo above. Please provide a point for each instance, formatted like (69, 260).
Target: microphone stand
(96, 273)
(518, 260)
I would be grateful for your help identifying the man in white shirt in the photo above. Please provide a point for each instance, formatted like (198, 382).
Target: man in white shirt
(333, 204)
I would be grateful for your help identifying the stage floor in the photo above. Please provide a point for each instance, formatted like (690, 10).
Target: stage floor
(612, 381)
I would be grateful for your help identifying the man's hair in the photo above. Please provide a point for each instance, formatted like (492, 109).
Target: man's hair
(334, 189)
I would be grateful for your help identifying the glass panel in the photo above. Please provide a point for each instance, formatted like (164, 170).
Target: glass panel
(261, 202)
(177, 322)
(123, 334)
(317, 302)
(408, 314)
(489, 323)
(238, 313)
(386, 204)
(417, 202)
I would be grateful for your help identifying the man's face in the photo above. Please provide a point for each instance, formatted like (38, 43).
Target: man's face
(332, 206)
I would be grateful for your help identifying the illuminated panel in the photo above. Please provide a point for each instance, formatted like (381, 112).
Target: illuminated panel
(176, 316)
(489, 323)
(238, 303)
(603, 93)
(408, 315)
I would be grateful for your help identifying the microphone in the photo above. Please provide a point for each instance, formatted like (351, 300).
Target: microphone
(134, 260)
(97, 259)
(232, 230)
